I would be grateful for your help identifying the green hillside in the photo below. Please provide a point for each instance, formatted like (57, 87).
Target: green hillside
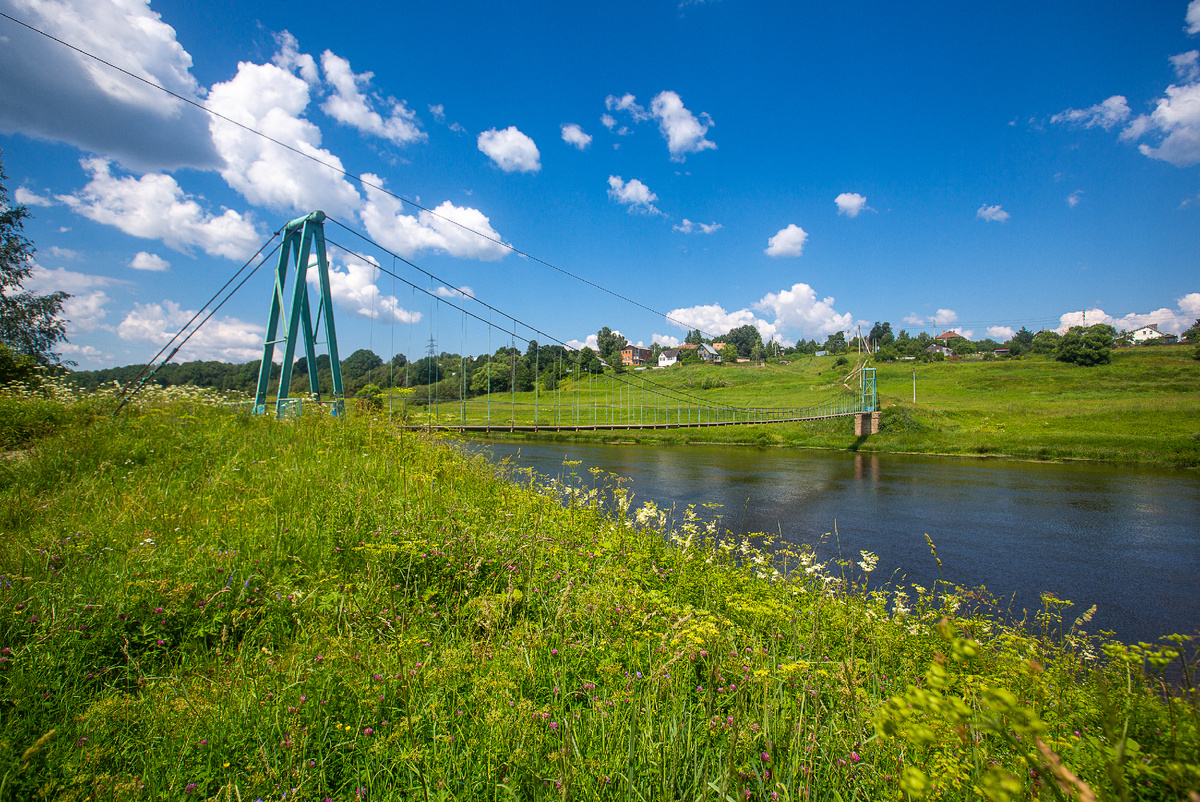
(1143, 407)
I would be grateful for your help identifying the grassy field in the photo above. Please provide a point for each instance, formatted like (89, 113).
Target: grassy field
(1144, 407)
(200, 604)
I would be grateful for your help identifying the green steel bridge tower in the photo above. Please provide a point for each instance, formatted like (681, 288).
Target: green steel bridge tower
(304, 239)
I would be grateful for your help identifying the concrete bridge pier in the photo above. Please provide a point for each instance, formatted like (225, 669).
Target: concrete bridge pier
(866, 423)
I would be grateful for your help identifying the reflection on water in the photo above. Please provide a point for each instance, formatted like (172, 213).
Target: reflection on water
(1124, 538)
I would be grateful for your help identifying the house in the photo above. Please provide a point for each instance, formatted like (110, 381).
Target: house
(1150, 332)
(668, 358)
(936, 349)
(946, 336)
(708, 354)
(1002, 352)
(634, 355)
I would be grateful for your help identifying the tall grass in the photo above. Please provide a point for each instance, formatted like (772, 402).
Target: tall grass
(199, 604)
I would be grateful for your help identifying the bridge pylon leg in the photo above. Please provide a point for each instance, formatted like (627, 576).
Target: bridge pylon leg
(866, 423)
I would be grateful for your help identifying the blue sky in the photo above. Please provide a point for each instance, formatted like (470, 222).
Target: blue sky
(804, 168)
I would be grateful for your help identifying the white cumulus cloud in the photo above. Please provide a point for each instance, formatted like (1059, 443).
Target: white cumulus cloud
(1169, 321)
(1073, 198)
(1187, 66)
(353, 287)
(85, 310)
(151, 262)
(683, 131)
(155, 207)
(349, 105)
(88, 353)
(63, 253)
(225, 338)
(799, 308)
(408, 235)
(1106, 114)
(688, 227)
(993, 214)
(714, 320)
(1175, 121)
(590, 341)
(634, 194)
(788, 242)
(573, 134)
(1001, 333)
(54, 93)
(665, 340)
(30, 198)
(511, 150)
(851, 203)
(1193, 17)
(272, 100)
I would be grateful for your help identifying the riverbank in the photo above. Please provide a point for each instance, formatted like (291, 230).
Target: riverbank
(203, 604)
(1142, 408)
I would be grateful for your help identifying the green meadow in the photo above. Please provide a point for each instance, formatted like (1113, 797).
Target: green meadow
(1143, 407)
(199, 604)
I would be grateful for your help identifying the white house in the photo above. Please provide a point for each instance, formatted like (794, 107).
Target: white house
(668, 358)
(1147, 332)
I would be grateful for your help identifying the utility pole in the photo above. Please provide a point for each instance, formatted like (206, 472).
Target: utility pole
(914, 385)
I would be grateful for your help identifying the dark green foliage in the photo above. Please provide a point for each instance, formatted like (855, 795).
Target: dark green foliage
(371, 396)
(1045, 342)
(29, 324)
(1020, 343)
(1087, 347)
(835, 343)
(744, 338)
(881, 334)
(609, 345)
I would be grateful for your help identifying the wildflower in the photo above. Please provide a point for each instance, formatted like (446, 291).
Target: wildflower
(854, 757)
(190, 788)
(368, 731)
(766, 758)
(868, 562)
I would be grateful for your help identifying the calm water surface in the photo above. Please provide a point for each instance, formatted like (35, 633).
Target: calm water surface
(1124, 538)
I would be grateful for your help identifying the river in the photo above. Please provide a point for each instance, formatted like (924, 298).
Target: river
(1124, 538)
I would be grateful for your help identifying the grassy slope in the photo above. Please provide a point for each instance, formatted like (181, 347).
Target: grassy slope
(1144, 407)
(200, 604)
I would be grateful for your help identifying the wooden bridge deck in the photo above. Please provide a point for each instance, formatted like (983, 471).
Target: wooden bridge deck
(486, 428)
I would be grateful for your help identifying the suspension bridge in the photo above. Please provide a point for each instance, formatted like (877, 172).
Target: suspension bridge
(566, 388)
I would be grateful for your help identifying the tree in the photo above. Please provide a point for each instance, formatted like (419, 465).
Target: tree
(835, 343)
(609, 345)
(30, 325)
(881, 334)
(1045, 342)
(744, 338)
(1087, 347)
(490, 377)
(1193, 334)
(729, 353)
(1020, 343)
(694, 337)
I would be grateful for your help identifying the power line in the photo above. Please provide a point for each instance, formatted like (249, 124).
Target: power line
(345, 173)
